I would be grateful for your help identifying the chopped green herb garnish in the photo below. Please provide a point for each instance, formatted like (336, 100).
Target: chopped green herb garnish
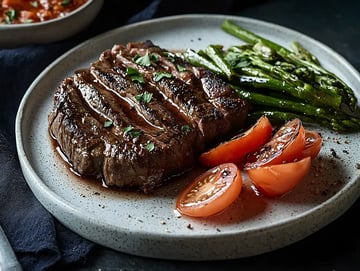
(134, 75)
(154, 57)
(146, 59)
(170, 56)
(144, 97)
(185, 129)
(137, 78)
(131, 131)
(128, 129)
(65, 3)
(150, 146)
(11, 15)
(143, 60)
(181, 68)
(160, 75)
(34, 4)
(108, 123)
(131, 71)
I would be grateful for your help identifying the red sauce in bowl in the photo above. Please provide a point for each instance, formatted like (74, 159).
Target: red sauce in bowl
(32, 11)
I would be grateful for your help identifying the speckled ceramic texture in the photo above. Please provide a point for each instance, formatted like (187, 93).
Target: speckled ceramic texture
(148, 225)
(52, 30)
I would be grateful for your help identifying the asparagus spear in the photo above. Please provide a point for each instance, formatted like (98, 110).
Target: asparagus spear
(305, 92)
(245, 35)
(344, 91)
(276, 115)
(199, 60)
(295, 106)
(215, 53)
(288, 83)
(302, 53)
(269, 101)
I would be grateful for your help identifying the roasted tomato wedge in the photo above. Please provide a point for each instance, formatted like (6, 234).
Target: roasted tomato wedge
(284, 146)
(313, 143)
(236, 149)
(277, 180)
(211, 192)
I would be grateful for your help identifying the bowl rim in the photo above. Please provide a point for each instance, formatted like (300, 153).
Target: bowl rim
(50, 21)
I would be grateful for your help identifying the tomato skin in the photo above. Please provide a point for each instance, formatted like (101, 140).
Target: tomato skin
(235, 150)
(284, 146)
(211, 192)
(276, 180)
(313, 143)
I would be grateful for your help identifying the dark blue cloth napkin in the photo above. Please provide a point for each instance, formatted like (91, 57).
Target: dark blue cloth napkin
(40, 241)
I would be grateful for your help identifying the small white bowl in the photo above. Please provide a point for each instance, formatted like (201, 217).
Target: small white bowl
(52, 30)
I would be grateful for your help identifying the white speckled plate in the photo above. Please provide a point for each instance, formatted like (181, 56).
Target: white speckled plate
(148, 225)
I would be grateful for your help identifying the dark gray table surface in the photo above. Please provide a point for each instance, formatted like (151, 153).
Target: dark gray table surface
(335, 247)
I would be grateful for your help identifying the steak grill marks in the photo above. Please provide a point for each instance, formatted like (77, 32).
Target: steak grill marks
(140, 115)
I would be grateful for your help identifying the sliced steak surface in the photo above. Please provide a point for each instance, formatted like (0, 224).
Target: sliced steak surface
(140, 115)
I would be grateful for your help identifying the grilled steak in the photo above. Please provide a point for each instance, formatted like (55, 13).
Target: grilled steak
(140, 115)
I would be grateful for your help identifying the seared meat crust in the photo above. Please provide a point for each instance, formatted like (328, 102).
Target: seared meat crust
(136, 124)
